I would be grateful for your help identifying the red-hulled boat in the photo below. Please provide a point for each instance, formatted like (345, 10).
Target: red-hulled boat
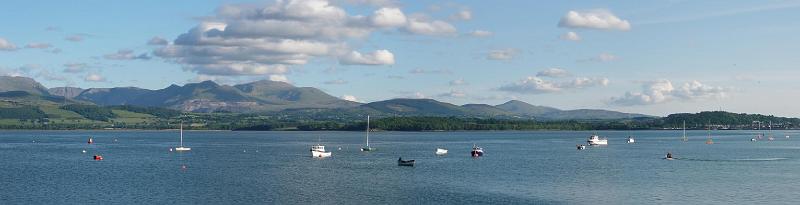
(476, 151)
(98, 157)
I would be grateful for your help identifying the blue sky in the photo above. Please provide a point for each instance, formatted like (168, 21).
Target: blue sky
(653, 57)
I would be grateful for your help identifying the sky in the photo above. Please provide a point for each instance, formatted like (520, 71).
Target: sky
(650, 57)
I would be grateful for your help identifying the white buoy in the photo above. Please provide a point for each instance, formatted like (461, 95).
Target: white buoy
(84, 151)
(170, 149)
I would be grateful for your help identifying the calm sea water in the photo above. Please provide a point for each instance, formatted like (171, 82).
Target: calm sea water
(276, 168)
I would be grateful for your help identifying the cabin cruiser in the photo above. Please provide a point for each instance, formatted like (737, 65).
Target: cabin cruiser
(319, 151)
(476, 151)
(595, 140)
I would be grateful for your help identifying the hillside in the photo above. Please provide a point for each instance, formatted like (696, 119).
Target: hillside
(8, 83)
(417, 107)
(523, 108)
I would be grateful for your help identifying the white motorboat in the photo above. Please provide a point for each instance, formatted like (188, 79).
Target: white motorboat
(631, 140)
(319, 151)
(181, 147)
(595, 140)
(580, 147)
(441, 151)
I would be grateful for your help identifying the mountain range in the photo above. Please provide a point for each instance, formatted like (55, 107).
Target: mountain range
(272, 96)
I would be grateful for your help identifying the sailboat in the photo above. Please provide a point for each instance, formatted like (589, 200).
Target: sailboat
(367, 148)
(685, 139)
(770, 138)
(181, 147)
(709, 140)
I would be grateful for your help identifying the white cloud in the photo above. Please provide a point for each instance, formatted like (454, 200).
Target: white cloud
(377, 3)
(379, 57)
(126, 54)
(350, 98)
(594, 19)
(93, 77)
(662, 91)
(463, 15)
(571, 36)
(536, 85)
(480, 33)
(458, 82)
(388, 17)
(453, 94)
(418, 95)
(157, 41)
(603, 57)
(432, 71)
(75, 67)
(5, 45)
(502, 54)
(279, 78)
(38, 45)
(553, 72)
(423, 25)
(74, 38)
(336, 82)
(287, 33)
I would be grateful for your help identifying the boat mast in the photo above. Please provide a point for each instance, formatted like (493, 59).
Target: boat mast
(367, 130)
(181, 134)
(684, 131)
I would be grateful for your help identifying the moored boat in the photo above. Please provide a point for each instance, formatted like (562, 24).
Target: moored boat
(441, 151)
(90, 141)
(367, 148)
(181, 148)
(630, 140)
(98, 157)
(319, 151)
(580, 147)
(476, 151)
(401, 162)
(595, 140)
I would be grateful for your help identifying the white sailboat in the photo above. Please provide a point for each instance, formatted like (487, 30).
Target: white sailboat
(367, 148)
(685, 139)
(181, 147)
(709, 140)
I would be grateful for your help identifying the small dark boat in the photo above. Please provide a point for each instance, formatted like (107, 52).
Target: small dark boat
(401, 162)
(669, 156)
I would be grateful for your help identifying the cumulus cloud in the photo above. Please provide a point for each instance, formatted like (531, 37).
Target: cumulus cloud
(38, 45)
(5, 45)
(336, 82)
(554, 73)
(594, 19)
(661, 91)
(350, 98)
(94, 77)
(377, 3)
(157, 41)
(75, 67)
(420, 24)
(480, 33)
(502, 54)
(286, 33)
(388, 17)
(536, 85)
(379, 57)
(126, 54)
(571, 36)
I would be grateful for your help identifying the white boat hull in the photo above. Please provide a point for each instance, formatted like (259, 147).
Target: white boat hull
(441, 151)
(631, 141)
(598, 142)
(183, 149)
(319, 154)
